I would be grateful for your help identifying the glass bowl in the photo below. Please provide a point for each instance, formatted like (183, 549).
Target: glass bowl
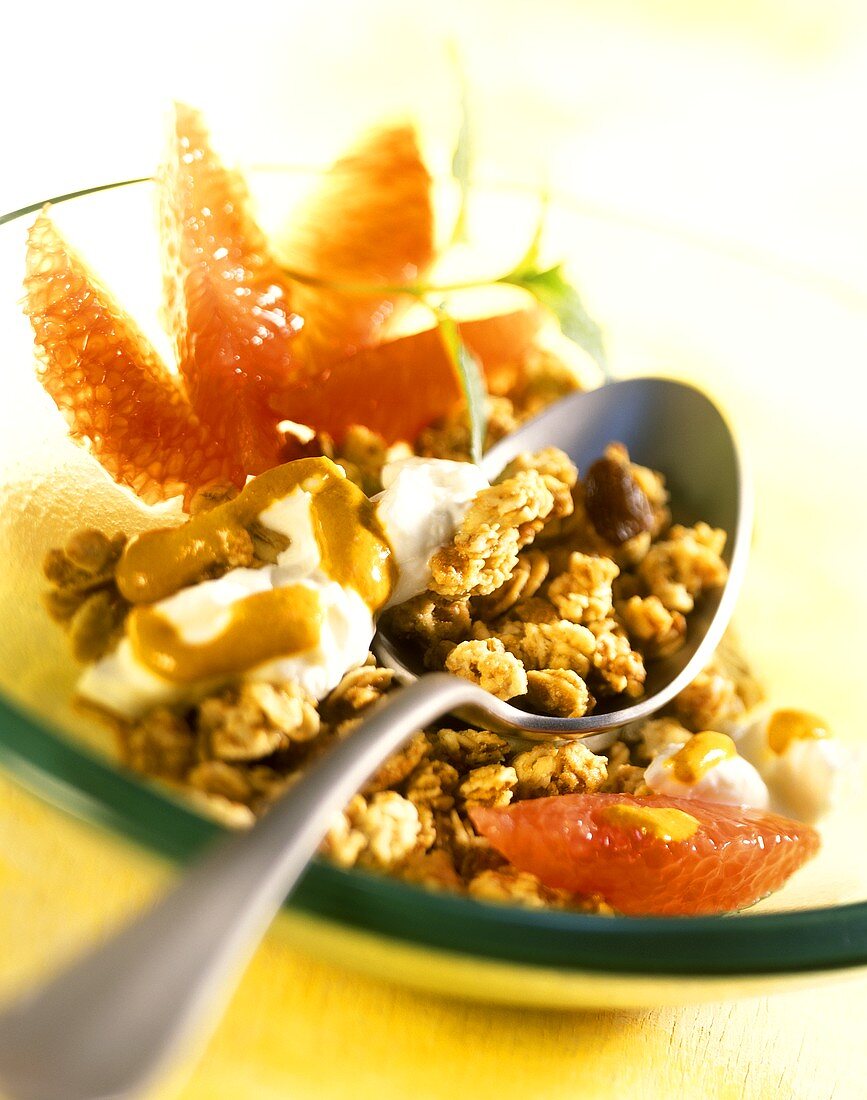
(779, 354)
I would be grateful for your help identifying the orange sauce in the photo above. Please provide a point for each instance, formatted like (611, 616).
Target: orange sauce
(786, 726)
(352, 543)
(701, 753)
(266, 625)
(661, 822)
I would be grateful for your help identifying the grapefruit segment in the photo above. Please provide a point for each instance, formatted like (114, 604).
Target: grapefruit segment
(226, 301)
(399, 387)
(107, 380)
(370, 221)
(734, 856)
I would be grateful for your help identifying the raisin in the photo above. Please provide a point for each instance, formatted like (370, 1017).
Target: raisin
(616, 504)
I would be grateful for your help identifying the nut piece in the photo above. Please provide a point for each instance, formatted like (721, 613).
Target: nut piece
(512, 886)
(491, 785)
(488, 664)
(559, 769)
(558, 691)
(255, 720)
(615, 503)
(470, 748)
(583, 593)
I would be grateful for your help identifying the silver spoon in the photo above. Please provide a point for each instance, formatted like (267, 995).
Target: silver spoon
(104, 1027)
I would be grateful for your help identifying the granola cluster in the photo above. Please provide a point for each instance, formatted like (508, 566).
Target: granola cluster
(241, 748)
(82, 594)
(555, 592)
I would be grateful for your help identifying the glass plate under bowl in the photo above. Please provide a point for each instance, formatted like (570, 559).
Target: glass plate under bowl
(778, 353)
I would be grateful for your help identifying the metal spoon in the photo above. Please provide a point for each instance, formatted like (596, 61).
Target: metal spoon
(673, 428)
(108, 1024)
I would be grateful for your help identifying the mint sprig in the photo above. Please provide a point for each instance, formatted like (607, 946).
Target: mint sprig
(551, 287)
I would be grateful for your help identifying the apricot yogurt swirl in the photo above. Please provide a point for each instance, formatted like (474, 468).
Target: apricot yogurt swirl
(305, 618)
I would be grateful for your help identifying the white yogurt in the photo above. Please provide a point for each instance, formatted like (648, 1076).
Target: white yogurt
(806, 779)
(420, 509)
(731, 781)
(423, 503)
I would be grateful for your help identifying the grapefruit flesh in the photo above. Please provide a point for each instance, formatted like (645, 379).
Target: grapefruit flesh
(735, 857)
(227, 304)
(370, 221)
(247, 360)
(107, 380)
(399, 387)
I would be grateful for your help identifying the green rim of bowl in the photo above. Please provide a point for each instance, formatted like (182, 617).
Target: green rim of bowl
(76, 780)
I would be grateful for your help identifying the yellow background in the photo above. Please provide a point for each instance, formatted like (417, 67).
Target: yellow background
(740, 122)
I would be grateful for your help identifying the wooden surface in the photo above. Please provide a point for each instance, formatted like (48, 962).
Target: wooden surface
(303, 1029)
(733, 121)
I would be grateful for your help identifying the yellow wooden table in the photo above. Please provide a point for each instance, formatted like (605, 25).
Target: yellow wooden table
(737, 114)
(302, 1029)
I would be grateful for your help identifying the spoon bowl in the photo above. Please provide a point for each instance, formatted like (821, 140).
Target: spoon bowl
(671, 427)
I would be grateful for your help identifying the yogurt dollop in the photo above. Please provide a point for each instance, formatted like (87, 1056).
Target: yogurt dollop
(708, 768)
(803, 764)
(423, 502)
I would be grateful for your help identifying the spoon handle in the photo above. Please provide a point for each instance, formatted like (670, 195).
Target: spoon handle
(104, 1026)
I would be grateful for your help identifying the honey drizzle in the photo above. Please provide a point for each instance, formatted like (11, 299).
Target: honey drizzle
(266, 625)
(663, 823)
(353, 546)
(353, 551)
(699, 755)
(786, 726)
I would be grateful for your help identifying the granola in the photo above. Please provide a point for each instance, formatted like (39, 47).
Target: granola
(232, 650)
(500, 521)
(487, 662)
(83, 595)
(528, 600)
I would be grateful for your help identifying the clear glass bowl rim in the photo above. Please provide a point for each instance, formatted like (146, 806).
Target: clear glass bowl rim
(76, 780)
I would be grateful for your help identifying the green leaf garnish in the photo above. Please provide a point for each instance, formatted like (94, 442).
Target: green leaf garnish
(464, 152)
(548, 285)
(470, 376)
(553, 290)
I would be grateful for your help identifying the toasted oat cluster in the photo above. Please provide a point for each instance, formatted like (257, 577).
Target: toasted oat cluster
(241, 748)
(555, 591)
